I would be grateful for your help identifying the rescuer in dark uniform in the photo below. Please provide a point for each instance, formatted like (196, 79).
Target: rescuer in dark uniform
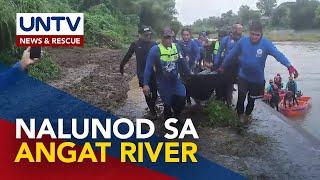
(141, 49)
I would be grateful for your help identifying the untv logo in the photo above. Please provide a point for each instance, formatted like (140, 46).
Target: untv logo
(49, 29)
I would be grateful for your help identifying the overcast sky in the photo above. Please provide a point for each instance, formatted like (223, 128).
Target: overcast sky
(191, 10)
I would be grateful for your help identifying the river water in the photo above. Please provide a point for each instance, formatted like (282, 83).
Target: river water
(305, 57)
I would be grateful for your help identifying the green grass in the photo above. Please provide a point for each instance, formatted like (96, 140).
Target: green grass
(45, 69)
(102, 28)
(11, 56)
(291, 36)
(7, 59)
(220, 115)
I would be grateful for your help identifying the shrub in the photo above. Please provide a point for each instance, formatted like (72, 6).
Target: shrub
(45, 69)
(220, 115)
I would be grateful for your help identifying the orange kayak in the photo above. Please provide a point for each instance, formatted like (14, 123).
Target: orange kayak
(297, 110)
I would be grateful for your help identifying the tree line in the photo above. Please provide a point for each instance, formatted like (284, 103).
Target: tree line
(299, 15)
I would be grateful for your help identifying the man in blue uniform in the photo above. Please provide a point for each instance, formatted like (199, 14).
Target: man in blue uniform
(228, 42)
(190, 51)
(167, 60)
(252, 52)
(18, 70)
(201, 42)
(189, 48)
(216, 46)
(231, 72)
(141, 49)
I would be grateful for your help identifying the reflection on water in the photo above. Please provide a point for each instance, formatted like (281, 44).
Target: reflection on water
(305, 57)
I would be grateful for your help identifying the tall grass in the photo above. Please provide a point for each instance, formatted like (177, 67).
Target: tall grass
(7, 24)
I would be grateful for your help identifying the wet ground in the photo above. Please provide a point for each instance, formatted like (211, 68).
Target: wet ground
(134, 101)
(93, 75)
(272, 148)
(294, 149)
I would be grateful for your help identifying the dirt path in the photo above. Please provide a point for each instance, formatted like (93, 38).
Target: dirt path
(93, 75)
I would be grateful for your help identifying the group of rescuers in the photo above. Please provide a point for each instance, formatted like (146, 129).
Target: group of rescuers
(162, 68)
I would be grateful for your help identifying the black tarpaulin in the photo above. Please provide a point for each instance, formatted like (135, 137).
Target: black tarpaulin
(201, 86)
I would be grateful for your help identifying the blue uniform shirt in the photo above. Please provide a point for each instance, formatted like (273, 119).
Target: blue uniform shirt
(226, 45)
(252, 58)
(167, 86)
(190, 49)
(199, 44)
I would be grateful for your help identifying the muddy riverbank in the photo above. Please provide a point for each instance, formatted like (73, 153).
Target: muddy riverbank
(93, 75)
